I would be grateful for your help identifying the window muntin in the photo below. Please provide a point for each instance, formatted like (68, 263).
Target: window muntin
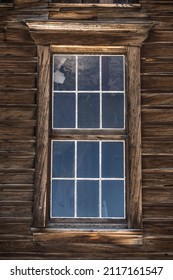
(88, 179)
(89, 92)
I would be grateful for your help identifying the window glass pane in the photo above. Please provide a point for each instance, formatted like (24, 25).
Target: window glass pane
(63, 198)
(113, 110)
(88, 73)
(112, 73)
(64, 110)
(112, 160)
(113, 198)
(88, 160)
(63, 159)
(64, 72)
(88, 110)
(88, 198)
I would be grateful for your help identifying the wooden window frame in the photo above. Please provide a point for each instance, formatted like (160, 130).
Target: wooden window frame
(50, 36)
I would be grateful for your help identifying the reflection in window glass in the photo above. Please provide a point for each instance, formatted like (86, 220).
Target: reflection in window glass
(113, 198)
(64, 72)
(112, 73)
(89, 92)
(88, 73)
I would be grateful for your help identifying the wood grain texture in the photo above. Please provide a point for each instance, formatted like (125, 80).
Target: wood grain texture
(19, 101)
(134, 117)
(42, 136)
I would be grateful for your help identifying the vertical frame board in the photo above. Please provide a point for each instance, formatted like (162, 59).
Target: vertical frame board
(134, 116)
(42, 136)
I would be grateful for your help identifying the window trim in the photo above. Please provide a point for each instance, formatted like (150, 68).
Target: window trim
(129, 38)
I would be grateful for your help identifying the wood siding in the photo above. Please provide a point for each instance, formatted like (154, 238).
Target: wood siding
(18, 121)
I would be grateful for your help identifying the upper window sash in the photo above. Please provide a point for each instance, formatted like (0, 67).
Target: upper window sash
(72, 81)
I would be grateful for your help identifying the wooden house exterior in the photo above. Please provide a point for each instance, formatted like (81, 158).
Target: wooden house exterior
(30, 30)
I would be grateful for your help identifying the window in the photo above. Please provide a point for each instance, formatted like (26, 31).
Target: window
(88, 177)
(103, 41)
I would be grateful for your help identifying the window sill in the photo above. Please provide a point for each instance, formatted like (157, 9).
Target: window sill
(88, 5)
(116, 237)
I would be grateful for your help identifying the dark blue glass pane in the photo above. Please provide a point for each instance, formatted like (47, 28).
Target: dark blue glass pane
(112, 73)
(64, 72)
(63, 159)
(88, 160)
(62, 198)
(88, 198)
(64, 110)
(88, 73)
(112, 160)
(113, 110)
(88, 110)
(113, 199)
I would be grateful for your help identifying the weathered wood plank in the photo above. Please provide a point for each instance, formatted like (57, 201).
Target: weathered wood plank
(18, 195)
(17, 178)
(13, 114)
(16, 51)
(13, 132)
(17, 147)
(15, 228)
(158, 147)
(16, 161)
(134, 117)
(157, 65)
(157, 100)
(157, 161)
(26, 81)
(158, 213)
(17, 96)
(157, 82)
(15, 211)
(158, 228)
(160, 36)
(157, 50)
(157, 196)
(14, 67)
(157, 177)
(157, 130)
(119, 237)
(74, 14)
(157, 115)
(42, 137)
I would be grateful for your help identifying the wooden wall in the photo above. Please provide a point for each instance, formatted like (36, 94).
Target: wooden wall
(18, 117)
